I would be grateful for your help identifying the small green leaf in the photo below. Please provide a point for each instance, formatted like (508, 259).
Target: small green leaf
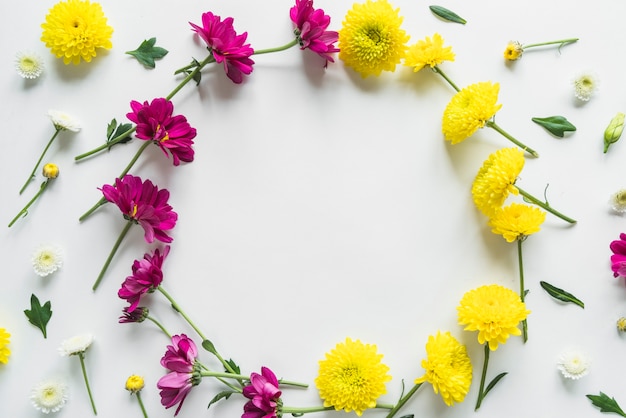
(493, 383)
(561, 294)
(222, 395)
(234, 366)
(556, 125)
(446, 14)
(606, 404)
(147, 52)
(114, 131)
(39, 315)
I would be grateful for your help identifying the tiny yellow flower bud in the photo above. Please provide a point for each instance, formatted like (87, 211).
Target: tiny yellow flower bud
(614, 131)
(621, 324)
(50, 171)
(134, 383)
(513, 51)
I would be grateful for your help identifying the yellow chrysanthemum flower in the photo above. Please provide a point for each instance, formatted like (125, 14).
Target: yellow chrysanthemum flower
(428, 52)
(448, 368)
(5, 352)
(494, 311)
(469, 110)
(371, 40)
(517, 221)
(513, 51)
(352, 377)
(134, 383)
(496, 179)
(74, 29)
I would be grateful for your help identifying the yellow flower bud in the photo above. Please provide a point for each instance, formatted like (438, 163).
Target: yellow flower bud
(50, 171)
(621, 324)
(513, 51)
(614, 131)
(134, 383)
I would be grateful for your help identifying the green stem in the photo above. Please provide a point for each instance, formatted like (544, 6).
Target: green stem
(143, 408)
(102, 200)
(32, 174)
(288, 45)
(81, 356)
(158, 324)
(544, 205)
(24, 211)
(561, 41)
(508, 136)
(106, 145)
(308, 409)
(445, 77)
(209, 59)
(522, 290)
(112, 253)
(482, 379)
(403, 400)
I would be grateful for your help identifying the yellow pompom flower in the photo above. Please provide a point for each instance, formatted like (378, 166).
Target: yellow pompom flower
(352, 377)
(371, 40)
(469, 110)
(496, 179)
(517, 221)
(74, 29)
(448, 368)
(134, 383)
(494, 311)
(429, 52)
(513, 51)
(5, 352)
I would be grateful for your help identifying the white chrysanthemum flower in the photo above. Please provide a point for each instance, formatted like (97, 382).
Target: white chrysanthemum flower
(28, 65)
(618, 201)
(49, 396)
(47, 259)
(75, 345)
(62, 120)
(573, 364)
(585, 85)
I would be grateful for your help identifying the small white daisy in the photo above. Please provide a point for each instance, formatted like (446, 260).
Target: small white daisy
(573, 364)
(28, 65)
(62, 120)
(585, 85)
(49, 396)
(47, 259)
(75, 345)
(618, 201)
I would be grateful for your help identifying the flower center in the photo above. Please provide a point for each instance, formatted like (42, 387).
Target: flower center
(352, 377)
(134, 211)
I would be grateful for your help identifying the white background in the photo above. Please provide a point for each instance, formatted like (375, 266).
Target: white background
(319, 206)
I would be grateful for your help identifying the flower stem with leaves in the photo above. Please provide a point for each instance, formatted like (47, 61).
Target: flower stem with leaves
(482, 391)
(24, 211)
(57, 129)
(544, 205)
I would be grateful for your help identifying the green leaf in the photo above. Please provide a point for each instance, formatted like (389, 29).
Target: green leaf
(147, 52)
(556, 125)
(114, 130)
(39, 315)
(234, 366)
(493, 383)
(561, 294)
(222, 395)
(606, 404)
(446, 14)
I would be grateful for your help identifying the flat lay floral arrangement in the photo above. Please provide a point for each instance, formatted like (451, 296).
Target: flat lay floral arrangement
(415, 219)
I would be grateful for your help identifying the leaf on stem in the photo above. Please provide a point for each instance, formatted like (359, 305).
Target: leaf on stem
(114, 130)
(561, 294)
(556, 125)
(147, 53)
(493, 383)
(221, 395)
(39, 315)
(606, 404)
(446, 14)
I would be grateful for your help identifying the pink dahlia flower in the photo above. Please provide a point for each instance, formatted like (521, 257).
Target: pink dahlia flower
(138, 314)
(147, 276)
(263, 393)
(227, 47)
(311, 30)
(180, 359)
(618, 259)
(143, 202)
(155, 123)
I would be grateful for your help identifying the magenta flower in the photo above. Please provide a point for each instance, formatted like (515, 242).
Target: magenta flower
(311, 30)
(226, 46)
(138, 314)
(618, 259)
(180, 359)
(147, 276)
(143, 202)
(264, 395)
(155, 123)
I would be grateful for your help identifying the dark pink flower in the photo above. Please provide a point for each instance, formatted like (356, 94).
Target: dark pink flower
(138, 314)
(180, 359)
(147, 276)
(155, 123)
(226, 46)
(618, 259)
(264, 395)
(311, 30)
(143, 202)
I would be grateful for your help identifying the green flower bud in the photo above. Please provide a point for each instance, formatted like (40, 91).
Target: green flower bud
(613, 131)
